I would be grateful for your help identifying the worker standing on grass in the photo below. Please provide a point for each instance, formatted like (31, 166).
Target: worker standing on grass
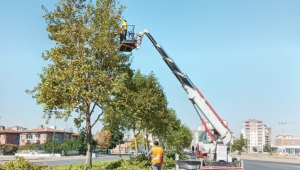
(123, 32)
(156, 156)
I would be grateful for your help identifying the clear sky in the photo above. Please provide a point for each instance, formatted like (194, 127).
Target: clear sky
(243, 55)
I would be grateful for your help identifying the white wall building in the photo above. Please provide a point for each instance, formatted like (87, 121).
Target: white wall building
(195, 138)
(256, 133)
(286, 144)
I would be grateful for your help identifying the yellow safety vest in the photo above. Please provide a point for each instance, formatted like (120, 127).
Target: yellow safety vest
(157, 153)
(124, 25)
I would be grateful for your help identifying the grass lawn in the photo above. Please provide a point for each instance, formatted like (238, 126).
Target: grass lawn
(77, 165)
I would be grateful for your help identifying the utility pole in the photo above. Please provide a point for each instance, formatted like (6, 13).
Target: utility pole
(282, 123)
(54, 136)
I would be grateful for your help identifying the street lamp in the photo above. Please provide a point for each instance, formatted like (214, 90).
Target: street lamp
(54, 136)
(282, 123)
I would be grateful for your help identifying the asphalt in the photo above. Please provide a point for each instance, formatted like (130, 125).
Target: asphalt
(265, 161)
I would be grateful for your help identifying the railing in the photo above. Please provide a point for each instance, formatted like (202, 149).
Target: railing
(36, 140)
(130, 32)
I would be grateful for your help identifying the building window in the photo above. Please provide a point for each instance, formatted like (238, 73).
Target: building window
(16, 137)
(29, 136)
(37, 136)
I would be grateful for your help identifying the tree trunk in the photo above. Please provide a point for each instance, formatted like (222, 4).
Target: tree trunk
(147, 146)
(136, 146)
(135, 142)
(88, 160)
(120, 156)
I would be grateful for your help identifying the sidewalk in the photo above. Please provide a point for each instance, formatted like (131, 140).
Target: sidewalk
(264, 157)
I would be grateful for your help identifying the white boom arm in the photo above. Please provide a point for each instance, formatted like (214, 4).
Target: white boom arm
(194, 95)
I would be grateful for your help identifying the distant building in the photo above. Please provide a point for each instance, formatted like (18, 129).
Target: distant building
(257, 134)
(41, 134)
(10, 135)
(195, 137)
(286, 144)
(19, 135)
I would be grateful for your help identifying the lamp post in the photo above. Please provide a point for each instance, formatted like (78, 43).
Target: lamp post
(54, 137)
(282, 123)
(127, 142)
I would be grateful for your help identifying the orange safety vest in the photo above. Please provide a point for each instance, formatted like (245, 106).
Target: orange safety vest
(157, 153)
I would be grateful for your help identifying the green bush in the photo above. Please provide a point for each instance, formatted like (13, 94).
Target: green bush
(140, 162)
(9, 148)
(21, 163)
(171, 154)
(28, 147)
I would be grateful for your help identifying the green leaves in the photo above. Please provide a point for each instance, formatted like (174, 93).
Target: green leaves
(86, 68)
(239, 144)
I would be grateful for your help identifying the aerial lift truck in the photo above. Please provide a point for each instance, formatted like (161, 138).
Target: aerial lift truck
(213, 142)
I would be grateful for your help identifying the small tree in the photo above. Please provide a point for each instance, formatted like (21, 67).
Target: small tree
(116, 139)
(139, 141)
(103, 139)
(82, 140)
(239, 144)
(254, 148)
(267, 148)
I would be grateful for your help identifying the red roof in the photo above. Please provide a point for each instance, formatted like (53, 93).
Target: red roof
(45, 130)
(8, 131)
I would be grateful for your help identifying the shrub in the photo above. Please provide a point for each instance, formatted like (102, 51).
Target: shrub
(9, 148)
(21, 163)
(171, 154)
(140, 162)
(28, 147)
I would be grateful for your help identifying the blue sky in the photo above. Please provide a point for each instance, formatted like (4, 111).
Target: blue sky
(244, 56)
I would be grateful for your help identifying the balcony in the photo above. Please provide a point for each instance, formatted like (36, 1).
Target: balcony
(35, 140)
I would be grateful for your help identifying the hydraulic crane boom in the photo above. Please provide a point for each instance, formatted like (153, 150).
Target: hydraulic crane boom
(194, 95)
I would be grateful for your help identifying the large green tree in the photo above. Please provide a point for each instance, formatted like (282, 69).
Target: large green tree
(85, 66)
(138, 105)
(181, 137)
(167, 129)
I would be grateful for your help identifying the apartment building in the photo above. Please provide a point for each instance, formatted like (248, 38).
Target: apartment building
(41, 134)
(10, 135)
(257, 134)
(195, 137)
(268, 139)
(18, 135)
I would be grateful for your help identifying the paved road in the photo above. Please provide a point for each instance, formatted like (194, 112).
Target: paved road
(267, 165)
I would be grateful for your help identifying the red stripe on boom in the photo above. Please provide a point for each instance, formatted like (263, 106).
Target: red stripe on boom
(216, 114)
(207, 130)
(199, 92)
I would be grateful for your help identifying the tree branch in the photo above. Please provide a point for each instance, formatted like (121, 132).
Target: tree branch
(95, 103)
(97, 119)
